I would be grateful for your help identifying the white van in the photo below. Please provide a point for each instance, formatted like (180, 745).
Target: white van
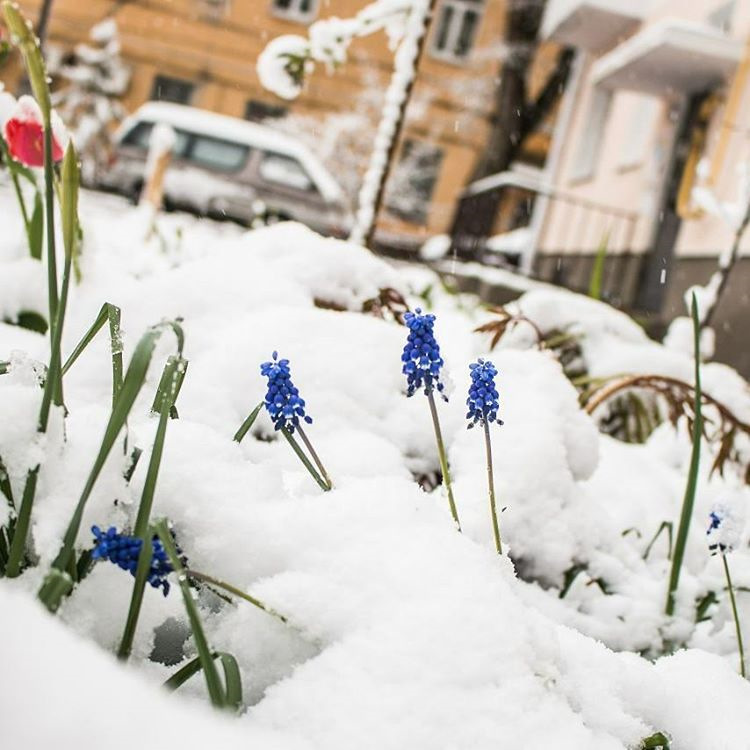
(225, 167)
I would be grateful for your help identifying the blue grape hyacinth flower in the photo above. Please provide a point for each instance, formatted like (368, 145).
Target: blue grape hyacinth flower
(123, 550)
(421, 355)
(483, 396)
(282, 401)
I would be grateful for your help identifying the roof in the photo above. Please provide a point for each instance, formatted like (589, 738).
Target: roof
(241, 131)
(671, 56)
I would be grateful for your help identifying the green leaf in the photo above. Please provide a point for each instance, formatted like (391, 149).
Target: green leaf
(132, 384)
(232, 681)
(232, 678)
(69, 200)
(597, 271)
(23, 37)
(305, 460)
(169, 387)
(657, 741)
(109, 313)
(31, 321)
(36, 228)
(181, 676)
(692, 480)
(248, 423)
(213, 681)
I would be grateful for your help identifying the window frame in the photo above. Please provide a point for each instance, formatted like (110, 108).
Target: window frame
(592, 135)
(313, 190)
(294, 14)
(459, 9)
(189, 85)
(421, 216)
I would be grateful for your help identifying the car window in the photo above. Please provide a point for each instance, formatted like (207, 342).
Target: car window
(140, 135)
(217, 154)
(285, 170)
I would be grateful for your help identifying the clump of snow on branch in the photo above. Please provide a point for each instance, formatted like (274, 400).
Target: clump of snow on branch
(401, 81)
(96, 77)
(286, 60)
(735, 214)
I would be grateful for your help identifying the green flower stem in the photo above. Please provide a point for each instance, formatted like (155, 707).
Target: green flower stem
(734, 613)
(305, 460)
(692, 482)
(236, 592)
(17, 188)
(443, 458)
(315, 458)
(491, 488)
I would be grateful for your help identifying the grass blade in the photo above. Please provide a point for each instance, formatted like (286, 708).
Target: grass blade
(305, 460)
(171, 380)
(232, 678)
(109, 313)
(232, 681)
(248, 423)
(213, 681)
(692, 481)
(181, 676)
(132, 384)
(596, 282)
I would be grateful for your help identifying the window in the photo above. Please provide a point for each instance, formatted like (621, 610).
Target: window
(140, 137)
(295, 10)
(592, 135)
(286, 171)
(216, 154)
(646, 114)
(259, 111)
(213, 10)
(456, 29)
(175, 90)
(413, 182)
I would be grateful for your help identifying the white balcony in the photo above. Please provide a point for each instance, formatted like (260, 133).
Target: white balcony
(592, 25)
(670, 58)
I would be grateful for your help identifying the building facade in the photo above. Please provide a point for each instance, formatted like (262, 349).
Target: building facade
(203, 53)
(658, 104)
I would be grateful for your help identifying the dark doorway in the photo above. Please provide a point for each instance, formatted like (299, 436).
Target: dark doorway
(654, 272)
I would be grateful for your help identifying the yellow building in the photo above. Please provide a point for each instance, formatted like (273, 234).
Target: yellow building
(203, 53)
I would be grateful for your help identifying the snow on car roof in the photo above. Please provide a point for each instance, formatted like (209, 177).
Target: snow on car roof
(240, 131)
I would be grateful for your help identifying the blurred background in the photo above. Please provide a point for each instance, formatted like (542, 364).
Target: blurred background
(554, 140)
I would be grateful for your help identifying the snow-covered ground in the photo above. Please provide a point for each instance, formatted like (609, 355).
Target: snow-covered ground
(403, 633)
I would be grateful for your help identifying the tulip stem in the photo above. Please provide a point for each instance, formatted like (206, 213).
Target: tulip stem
(49, 210)
(443, 458)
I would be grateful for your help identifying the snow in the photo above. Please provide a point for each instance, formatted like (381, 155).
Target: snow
(273, 63)
(405, 64)
(403, 633)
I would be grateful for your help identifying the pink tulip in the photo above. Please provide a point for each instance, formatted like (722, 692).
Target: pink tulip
(24, 134)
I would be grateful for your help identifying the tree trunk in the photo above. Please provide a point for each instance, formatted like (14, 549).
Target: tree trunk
(475, 215)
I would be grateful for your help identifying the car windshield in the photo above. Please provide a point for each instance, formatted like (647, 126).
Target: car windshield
(203, 150)
(140, 136)
(286, 171)
(217, 154)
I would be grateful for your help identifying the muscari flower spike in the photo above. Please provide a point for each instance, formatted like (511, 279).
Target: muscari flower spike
(724, 529)
(483, 396)
(421, 355)
(123, 550)
(282, 401)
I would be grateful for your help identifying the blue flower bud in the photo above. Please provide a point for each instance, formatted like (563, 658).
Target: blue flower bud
(421, 355)
(282, 401)
(483, 396)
